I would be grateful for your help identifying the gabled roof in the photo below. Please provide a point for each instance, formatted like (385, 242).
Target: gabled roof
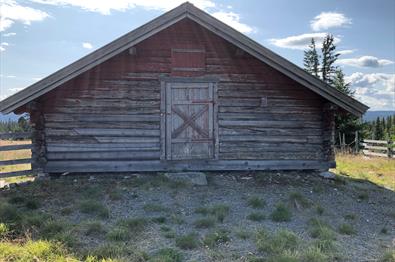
(185, 10)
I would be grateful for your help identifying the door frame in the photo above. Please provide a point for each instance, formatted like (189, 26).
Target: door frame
(163, 84)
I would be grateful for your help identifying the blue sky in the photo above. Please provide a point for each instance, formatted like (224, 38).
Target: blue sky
(39, 37)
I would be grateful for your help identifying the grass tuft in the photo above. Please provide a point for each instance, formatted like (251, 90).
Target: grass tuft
(281, 241)
(206, 222)
(167, 255)
(347, 229)
(256, 216)
(219, 211)
(189, 241)
(118, 234)
(215, 238)
(93, 207)
(296, 197)
(281, 213)
(256, 202)
(94, 228)
(154, 208)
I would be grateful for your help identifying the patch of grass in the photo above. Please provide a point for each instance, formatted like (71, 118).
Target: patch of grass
(384, 231)
(189, 241)
(177, 219)
(321, 230)
(283, 240)
(66, 211)
(118, 234)
(205, 222)
(159, 220)
(39, 250)
(388, 256)
(243, 234)
(219, 211)
(154, 208)
(314, 254)
(94, 228)
(34, 219)
(52, 228)
(93, 207)
(17, 200)
(256, 202)
(256, 216)
(281, 213)
(320, 210)
(115, 195)
(299, 199)
(377, 170)
(9, 214)
(202, 210)
(350, 216)
(92, 192)
(318, 188)
(347, 229)
(167, 255)
(215, 238)
(32, 204)
(108, 251)
(134, 225)
(4, 230)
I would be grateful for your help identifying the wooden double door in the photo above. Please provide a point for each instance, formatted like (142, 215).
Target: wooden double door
(189, 121)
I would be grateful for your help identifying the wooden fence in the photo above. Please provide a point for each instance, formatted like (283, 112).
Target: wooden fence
(380, 148)
(11, 162)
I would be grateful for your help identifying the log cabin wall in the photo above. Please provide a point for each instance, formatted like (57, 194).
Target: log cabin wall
(112, 113)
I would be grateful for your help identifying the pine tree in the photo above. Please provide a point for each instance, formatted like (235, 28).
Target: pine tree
(340, 83)
(379, 129)
(311, 59)
(329, 57)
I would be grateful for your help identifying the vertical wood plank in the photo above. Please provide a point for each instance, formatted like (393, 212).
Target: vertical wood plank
(168, 121)
(163, 120)
(215, 120)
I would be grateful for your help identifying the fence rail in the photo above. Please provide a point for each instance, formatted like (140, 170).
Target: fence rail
(11, 162)
(380, 148)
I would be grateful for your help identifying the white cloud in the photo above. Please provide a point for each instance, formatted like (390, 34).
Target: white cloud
(327, 20)
(346, 52)
(302, 41)
(11, 12)
(106, 7)
(2, 46)
(233, 20)
(9, 34)
(364, 61)
(377, 90)
(87, 45)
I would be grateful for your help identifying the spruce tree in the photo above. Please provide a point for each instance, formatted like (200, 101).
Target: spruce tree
(311, 59)
(329, 57)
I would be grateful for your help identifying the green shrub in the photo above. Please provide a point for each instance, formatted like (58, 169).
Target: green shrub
(256, 202)
(256, 216)
(205, 222)
(346, 229)
(219, 211)
(9, 214)
(189, 241)
(4, 230)
(167, 255)
(39, 250)
(118, 234)
(216, 237)
(277, 243)
(134, 225)
(52, 228)
(94, 228)
(321, 230)
(281, 213)
(94, 207)
(17, 200)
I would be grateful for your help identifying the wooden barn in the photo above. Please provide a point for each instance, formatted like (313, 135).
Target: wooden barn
(182, 92)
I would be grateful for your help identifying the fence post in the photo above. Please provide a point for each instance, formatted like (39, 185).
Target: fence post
(356, 142)
(389, 150)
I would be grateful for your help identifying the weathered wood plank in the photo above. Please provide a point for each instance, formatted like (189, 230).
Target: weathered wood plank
(101, 132)
(20, 135)
(268, 123)
(375, 141)
(209, 165)
(371, 147)
(15, 147)
(116, 155)
(101, 118)
(370, 153)
(16, 173)
(15, 162)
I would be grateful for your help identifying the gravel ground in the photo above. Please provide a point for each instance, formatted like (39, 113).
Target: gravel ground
(372, 206)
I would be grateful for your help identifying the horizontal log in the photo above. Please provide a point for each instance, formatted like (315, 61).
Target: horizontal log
(375, 141)
(101, 118)
(272, 155)
(374, 147)
(369, 153)
(20, 135)
(208, 165)
(15, 162)
(110, 110)
(116, 155)
(101, 132)
(16, 173)
(15, 147)
(268, 123)
(108, 102)
(56, 147)
(270, 131)
(98, 124)
(271, 110)
(229, 147)
(269, 116)
(256, 138)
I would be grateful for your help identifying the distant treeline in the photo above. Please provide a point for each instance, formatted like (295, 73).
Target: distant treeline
(383, 128)
(12, 126)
